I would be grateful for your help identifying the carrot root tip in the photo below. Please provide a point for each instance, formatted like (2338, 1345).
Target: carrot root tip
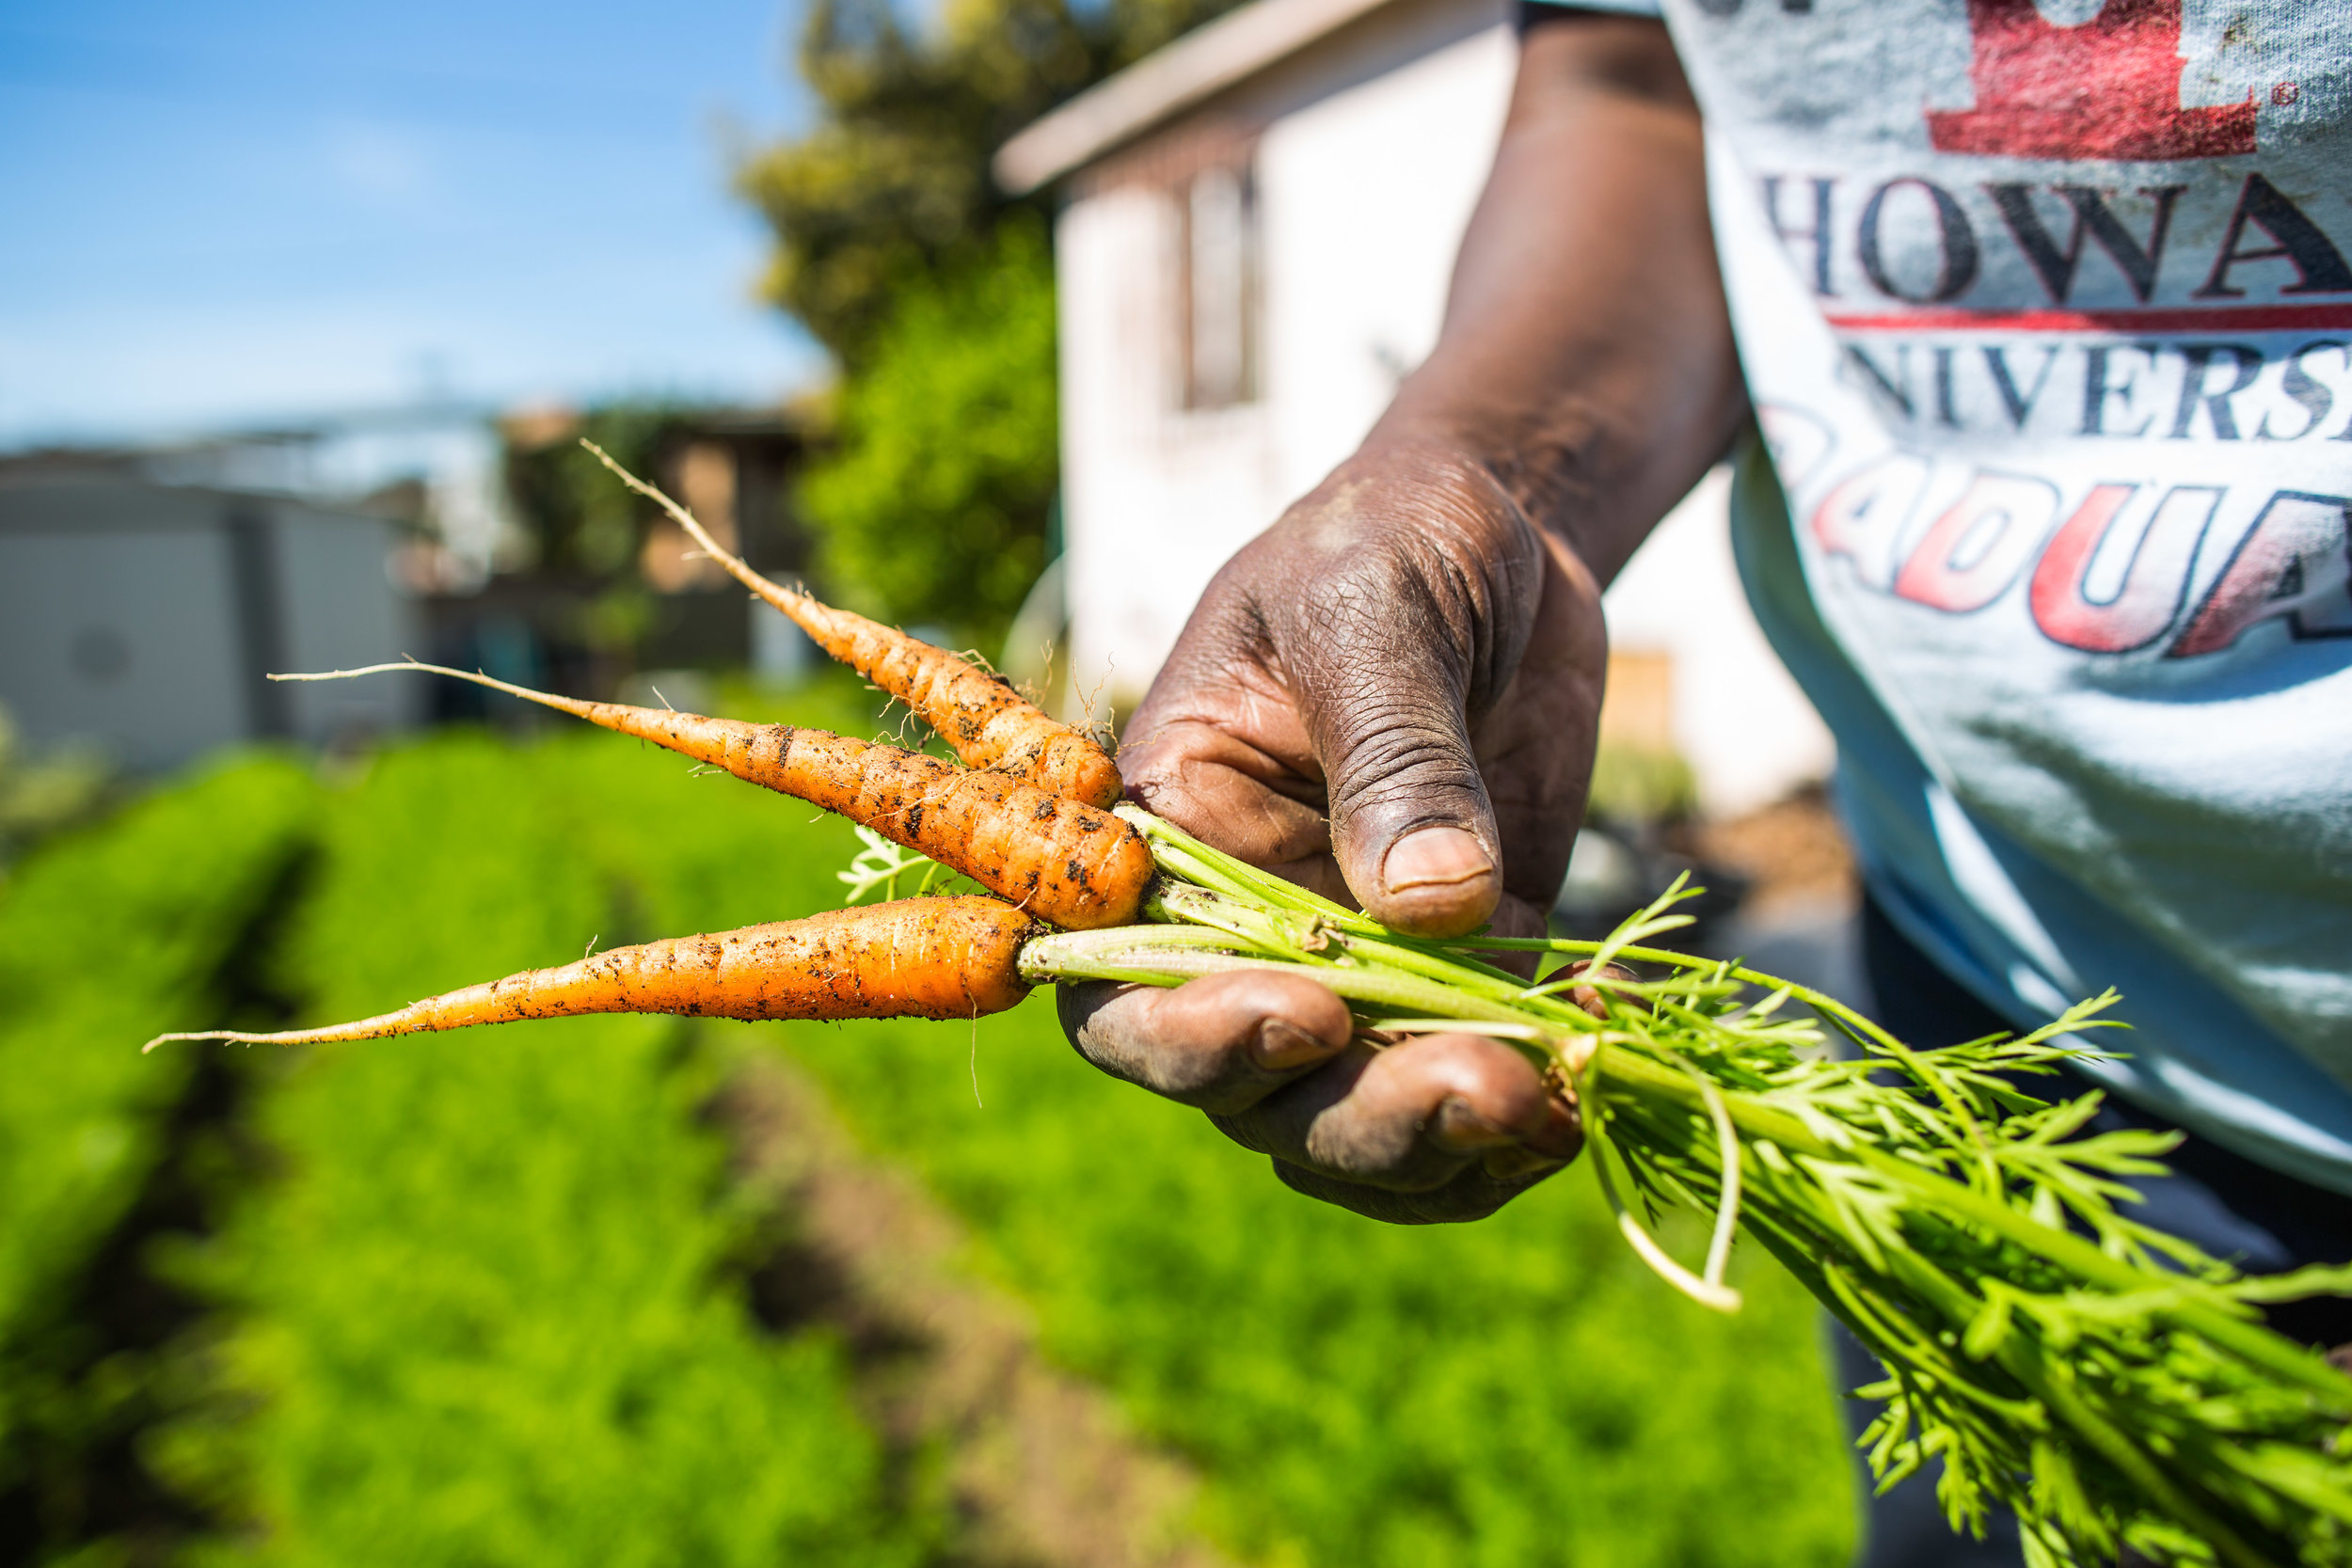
(200, 1035)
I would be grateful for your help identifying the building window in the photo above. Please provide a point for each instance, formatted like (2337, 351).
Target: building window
(1219, 291)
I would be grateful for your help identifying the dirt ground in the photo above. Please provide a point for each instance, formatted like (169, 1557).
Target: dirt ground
(1043, 1471)
(1792, 853)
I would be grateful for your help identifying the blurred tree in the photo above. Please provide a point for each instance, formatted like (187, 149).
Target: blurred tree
(932, 506)
(892, 184)
(580, 521)
(578, 609)
(933, 289)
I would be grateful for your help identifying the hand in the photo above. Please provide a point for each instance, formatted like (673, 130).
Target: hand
(1390, 697)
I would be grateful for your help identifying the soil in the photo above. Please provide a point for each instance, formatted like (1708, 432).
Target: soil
(1042, 1471)
(1792, 853)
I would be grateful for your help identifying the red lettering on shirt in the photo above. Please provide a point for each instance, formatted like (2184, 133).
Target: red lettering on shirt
(2110, 87)
(1975, 550)
(2153, 579)
(2293, 565)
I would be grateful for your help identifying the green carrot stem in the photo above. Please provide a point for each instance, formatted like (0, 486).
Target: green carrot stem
(1820, 1002)
(1448, 953)
(1868, 1193)
(1285, 934)
(1167, 956)
(1708, 1292)
(1153, 966)
(1508, 989)
(1172, 953)
(2251, 1341)
(2062, 1247)
(1182, 856)
(1179, 853)
(2153, 1480)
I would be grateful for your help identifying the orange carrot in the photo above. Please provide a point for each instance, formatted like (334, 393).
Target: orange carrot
(985, 722)
(917, 958)
(1068, 864)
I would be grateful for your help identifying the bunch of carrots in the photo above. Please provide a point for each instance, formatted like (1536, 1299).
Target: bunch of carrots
(2113, 1387)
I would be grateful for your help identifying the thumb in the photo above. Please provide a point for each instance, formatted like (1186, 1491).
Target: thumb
(1384, 699)
(1410, 822)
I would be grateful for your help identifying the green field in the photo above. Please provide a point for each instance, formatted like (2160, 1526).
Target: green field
(484, 1301)
(108, 936)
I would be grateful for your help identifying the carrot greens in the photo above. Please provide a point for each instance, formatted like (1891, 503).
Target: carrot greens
(2111, 1384)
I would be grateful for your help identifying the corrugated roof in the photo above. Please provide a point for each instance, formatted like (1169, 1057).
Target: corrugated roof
(1201, 63)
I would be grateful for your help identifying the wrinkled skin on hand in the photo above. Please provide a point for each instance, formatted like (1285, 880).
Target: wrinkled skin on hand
(1388, 697)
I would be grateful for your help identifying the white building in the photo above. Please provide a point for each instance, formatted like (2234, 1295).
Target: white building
(1259, 225)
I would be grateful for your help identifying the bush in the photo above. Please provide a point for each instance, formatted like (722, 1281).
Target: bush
(933, 509)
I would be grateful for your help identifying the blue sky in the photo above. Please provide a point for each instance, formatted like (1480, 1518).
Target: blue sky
(254, 211)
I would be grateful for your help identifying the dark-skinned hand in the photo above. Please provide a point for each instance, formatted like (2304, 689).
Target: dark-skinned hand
(1388, 697)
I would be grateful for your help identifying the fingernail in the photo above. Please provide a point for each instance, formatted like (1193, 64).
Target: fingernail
(1458, 1128)
(1281, 1045)
(1589, 997)
(1435, 857)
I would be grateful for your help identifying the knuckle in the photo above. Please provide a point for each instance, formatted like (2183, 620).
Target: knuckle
(1389, 733)
(1425, 775)
(1451, 589)
(1391, 753)
(1499, 1083)
(1385, 1149)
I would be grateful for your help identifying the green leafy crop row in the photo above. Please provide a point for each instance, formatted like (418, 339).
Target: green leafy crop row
(483, 1309)
(106, 935)
(1518, 1393)
(484, 1317)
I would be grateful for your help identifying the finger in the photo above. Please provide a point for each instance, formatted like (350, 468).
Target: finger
(1411, 827)
(1413, 1118)
(1222, 1042)
(1473, 1194)
(1518, 917)
(1226, 791)
(1214, 784)
(1535, 746)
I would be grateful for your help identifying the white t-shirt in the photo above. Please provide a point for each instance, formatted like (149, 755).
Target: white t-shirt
(2046, 310)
